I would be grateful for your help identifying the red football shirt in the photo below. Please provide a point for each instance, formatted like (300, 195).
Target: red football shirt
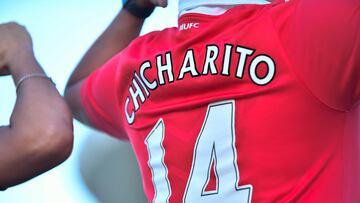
(256, 105)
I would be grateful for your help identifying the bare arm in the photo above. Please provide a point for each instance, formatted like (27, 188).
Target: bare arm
(124, 28)
(40, 133)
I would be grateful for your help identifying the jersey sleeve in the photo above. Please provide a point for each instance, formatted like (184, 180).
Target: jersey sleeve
(324, 48)
(101, 101)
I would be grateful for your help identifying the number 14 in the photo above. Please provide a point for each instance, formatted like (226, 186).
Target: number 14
(215, 144)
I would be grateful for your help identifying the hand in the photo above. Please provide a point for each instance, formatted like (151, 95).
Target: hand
(146, 3)
(161, 3)
(14, 39)
(4, 70)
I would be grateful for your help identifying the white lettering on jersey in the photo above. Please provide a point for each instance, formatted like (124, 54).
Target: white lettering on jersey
(187, 26)
(135, 94)
(271, 70)
(165, 68)
(212, 52)
(151, 85)
(227, 59)
(244, 53)
(188, 65)
(165, 71)
(142, 84)
(130, 118)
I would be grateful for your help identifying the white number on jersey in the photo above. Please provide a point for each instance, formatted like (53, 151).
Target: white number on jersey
(156, 163)
(215, 144)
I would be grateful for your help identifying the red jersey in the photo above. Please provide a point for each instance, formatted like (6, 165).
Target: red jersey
(258, 104)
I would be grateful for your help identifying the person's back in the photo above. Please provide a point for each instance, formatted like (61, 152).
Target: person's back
(247, 106)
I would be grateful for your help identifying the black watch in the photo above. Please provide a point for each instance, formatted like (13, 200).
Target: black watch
(138, 11)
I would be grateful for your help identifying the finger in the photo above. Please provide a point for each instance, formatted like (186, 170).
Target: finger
(2, 64)
(161, 3)
(4, 70)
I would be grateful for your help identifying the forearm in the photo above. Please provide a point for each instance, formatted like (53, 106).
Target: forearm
(40, 133)
(124, 28)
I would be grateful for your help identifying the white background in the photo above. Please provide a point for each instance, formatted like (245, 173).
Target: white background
(62, 31)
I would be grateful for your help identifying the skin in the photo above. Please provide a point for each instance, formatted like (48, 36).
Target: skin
(40, 134)
(124, 28)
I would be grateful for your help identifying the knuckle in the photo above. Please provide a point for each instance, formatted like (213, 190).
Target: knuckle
(12, 24)
(15, 26)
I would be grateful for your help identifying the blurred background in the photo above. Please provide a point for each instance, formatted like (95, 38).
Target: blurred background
(100, 169)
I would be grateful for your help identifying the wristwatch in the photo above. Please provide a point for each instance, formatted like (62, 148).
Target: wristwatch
(137, 10)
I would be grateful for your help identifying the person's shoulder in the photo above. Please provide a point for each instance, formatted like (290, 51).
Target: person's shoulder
(331, 7)
(153, 39)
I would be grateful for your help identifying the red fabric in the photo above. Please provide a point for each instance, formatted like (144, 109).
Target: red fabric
(297, 137)
(101, 102)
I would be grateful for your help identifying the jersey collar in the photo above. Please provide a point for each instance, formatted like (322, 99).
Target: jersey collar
(212, 7)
